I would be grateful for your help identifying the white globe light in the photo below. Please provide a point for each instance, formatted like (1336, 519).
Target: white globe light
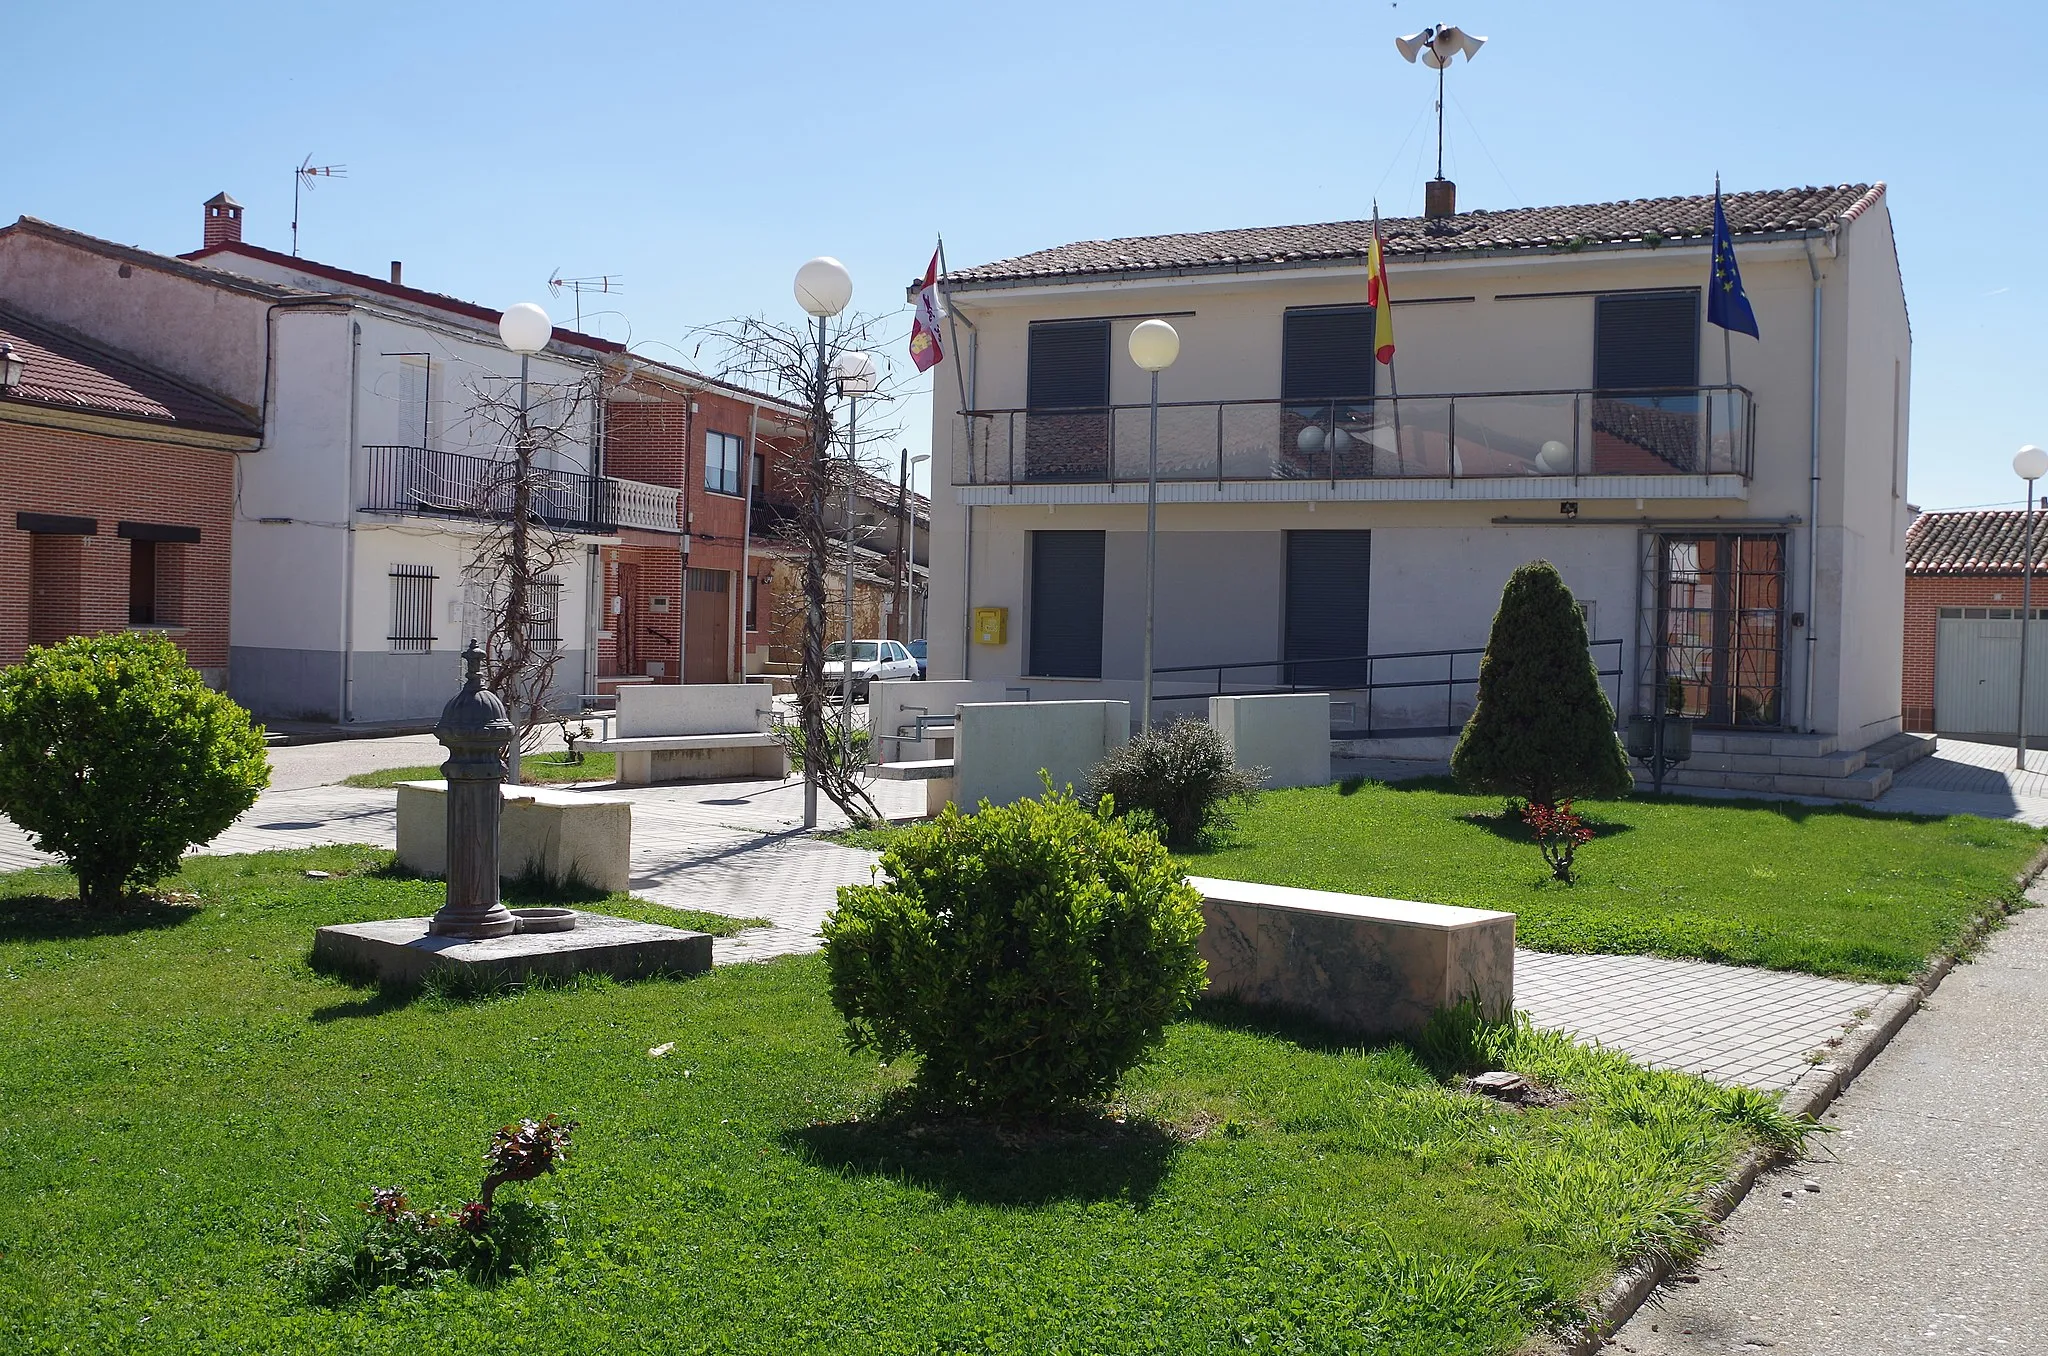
(1154, 345)
(823, 286)
(525, 328)
(857, 374)
(1310, 439)
(1341, 440)
(1555, 459)
(2030, 463)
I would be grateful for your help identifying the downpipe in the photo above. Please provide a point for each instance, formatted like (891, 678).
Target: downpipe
(1813, 504)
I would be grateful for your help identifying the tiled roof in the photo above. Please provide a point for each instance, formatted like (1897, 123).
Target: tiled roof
(1977, 541)
(66, 372)
(217, 277)
(1642, 221)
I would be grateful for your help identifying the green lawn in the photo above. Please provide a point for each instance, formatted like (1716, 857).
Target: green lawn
(537, 768)
(1828, 890)
(188, 1105)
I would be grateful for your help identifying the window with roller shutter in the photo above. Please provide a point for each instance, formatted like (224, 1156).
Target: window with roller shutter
(1066, 395)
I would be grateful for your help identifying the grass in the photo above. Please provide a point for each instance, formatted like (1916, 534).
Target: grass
(192, 1111)
(536, 768)
(1827, 890)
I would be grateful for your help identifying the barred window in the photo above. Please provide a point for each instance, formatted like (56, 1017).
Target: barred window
(544, 611)
(412, 609)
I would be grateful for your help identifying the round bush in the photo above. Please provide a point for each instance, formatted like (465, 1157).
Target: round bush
(1183, 775)
(1029, 954)
(117, 757)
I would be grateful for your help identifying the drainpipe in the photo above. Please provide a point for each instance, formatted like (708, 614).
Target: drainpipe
(348, 568)
(1813, 503)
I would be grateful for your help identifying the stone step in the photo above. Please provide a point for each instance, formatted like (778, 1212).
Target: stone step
(1765, 743)
(1830, 765)
(1866, 783)
(1900, 750)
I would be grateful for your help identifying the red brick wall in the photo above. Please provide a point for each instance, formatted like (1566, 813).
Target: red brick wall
(1925, 596)
(88, 475)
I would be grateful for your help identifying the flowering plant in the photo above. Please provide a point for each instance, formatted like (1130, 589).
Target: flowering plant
(1559, 833)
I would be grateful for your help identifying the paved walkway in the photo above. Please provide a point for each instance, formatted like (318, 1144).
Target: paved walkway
(1928, 1230)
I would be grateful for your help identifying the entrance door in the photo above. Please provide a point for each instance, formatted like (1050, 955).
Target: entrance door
(626, 626)
(1328, 596)
(1721, 611)
(707, 627)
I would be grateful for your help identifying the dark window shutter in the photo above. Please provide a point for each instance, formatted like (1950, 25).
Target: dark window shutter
(1066, 604)
(1326, 353)
(1069, 365)
(1328, 595)
(1649, 340)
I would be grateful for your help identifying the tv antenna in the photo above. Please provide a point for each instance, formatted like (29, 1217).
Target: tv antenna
(1436, 46)
(304, 177)
(606, 284)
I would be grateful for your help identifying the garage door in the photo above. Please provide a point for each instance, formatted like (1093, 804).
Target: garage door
(1977, 672)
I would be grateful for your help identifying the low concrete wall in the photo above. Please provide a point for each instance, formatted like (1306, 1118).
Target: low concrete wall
(897, 702)
(646, 767)
(561, 834)
(650, 709)
(1287, 734)
(1375, 967)
(1001, 747)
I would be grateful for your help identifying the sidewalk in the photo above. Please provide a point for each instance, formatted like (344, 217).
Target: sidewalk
(1931, 1221)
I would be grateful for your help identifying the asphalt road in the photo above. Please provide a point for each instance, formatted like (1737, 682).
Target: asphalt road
(1929, 1233)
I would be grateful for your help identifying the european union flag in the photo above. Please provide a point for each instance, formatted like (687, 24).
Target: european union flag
(1727, 304)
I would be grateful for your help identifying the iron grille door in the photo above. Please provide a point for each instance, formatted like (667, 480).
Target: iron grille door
(1328, 606)
(1066, 604)
(1721, 623)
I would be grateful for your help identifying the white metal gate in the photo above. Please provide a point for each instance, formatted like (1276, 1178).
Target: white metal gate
(1977, 672)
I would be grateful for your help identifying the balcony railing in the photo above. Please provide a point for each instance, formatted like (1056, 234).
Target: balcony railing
(460, 485)
(1679, 431)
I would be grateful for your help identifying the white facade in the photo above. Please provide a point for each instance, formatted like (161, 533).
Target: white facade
(1441, 546)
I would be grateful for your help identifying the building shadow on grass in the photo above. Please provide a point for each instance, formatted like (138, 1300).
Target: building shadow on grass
(1082, 1156)
(1226, 1014)
(50, 918)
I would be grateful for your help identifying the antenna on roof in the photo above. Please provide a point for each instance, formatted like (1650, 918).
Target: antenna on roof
(1436, 46)
(304, 176)
(606, 283)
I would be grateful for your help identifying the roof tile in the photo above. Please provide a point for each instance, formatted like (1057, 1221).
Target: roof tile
(1977, 541)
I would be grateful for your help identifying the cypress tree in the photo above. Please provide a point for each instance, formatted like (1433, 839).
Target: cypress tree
(1542, 729)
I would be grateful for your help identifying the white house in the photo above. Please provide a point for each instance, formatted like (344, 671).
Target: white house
(357, 521)
(1735, 536)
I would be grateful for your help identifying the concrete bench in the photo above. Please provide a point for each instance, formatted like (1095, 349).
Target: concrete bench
(561, 835)
(917, 770)
(705, 732)
(1372, 967)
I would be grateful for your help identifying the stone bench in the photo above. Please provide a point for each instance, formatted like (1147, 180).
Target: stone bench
(1368, 966)
(701, 732)
(559, 835)
(917, 770)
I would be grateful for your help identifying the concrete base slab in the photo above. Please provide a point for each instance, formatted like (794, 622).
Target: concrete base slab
(400, 950)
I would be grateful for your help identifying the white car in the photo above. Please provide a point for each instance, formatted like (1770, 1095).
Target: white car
(872, 659)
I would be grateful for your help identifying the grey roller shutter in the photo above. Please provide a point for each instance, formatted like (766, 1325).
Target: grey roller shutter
(1069, 365)
(1649, 340)
(1326, 353)
(1066, 604)
(1328, 592)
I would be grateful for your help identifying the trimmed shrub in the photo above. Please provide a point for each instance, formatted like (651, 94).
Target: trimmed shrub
(1543, 728)
(117, 757)
(1182, 776)
(1029, 954)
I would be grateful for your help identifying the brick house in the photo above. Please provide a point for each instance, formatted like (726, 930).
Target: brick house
(116, 509)
(1964, 583)
(890, 582)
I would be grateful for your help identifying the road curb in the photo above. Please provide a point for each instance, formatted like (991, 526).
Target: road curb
(1810, 1096)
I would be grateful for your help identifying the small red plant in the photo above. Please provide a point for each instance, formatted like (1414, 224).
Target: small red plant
(522, 1152)
(1559, 833)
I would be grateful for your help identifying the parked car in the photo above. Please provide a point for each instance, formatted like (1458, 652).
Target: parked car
(872, 660)
(916, 648)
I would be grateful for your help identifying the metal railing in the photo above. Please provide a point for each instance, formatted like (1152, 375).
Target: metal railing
(461, 485)
(1414, 675)
(1689, 430)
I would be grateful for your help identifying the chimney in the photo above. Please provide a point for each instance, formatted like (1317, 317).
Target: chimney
(223, 222)
(1439, 199)
(397, 273)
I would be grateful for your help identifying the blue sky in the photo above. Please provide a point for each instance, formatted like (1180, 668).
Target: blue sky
(701, 152)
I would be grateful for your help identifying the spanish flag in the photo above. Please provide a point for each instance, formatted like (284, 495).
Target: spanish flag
(1376, 293)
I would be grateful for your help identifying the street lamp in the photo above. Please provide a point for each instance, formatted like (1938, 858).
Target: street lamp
(525, 330)
(857, 377)
(906, 461)
(1154, 345)
(823, 289)
(2030, 463)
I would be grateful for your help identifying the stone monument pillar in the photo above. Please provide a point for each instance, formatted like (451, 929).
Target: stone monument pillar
(477, 733)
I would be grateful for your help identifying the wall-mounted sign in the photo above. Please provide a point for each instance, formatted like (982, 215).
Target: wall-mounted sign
(657, 602)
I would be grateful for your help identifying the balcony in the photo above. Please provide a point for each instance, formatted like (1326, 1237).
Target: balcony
(459, 485)
(1697, 431)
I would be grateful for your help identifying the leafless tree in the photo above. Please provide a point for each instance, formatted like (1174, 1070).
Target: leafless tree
(795, 363)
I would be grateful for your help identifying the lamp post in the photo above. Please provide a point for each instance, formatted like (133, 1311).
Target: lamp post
(2030, 463)
(1154, 345)
(525, 330)
(823, 288)
(904, 463)
(857, 377)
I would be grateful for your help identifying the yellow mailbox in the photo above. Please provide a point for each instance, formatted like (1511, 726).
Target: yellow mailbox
(991, 625)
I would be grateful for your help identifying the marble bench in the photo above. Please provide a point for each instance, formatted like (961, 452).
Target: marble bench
(696, 732)
(1368, 966)
(561, 835)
